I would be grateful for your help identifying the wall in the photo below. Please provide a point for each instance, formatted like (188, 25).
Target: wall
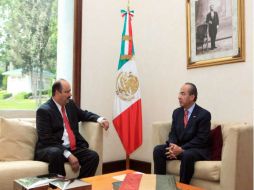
(159, 29)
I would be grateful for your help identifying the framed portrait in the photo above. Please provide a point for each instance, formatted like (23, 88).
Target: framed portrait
(215, 32)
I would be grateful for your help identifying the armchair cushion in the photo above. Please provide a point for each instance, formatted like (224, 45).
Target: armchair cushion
(206, 170)
(216, 143)
(20, 138)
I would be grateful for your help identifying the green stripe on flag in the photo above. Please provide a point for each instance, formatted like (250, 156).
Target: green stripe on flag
(122, 62)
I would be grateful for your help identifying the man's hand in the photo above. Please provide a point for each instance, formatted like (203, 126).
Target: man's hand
(105, 124)
(173, 151)
(177, 150)
(74, 163)
(169, 152)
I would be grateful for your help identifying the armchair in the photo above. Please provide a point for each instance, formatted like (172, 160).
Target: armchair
(233, 172)
(17, 142)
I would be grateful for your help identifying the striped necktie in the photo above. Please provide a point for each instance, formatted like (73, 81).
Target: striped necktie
(185, 118)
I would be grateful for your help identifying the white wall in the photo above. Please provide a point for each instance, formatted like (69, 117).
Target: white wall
(159, 29)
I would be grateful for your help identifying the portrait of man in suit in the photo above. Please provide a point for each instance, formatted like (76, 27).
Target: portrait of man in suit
(212, 19)
(59, 140)
(188, 140)
(215, 31)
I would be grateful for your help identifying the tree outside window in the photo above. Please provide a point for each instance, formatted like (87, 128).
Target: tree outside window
(28, 52)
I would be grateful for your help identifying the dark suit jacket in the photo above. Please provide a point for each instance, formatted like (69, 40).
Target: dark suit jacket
(213, 25)
(196, 134)
(49, 124)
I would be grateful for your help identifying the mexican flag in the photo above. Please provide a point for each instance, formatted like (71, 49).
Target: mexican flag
(148, 182)
(127, 115)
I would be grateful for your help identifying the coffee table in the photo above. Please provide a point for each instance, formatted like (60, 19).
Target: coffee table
(104, 182)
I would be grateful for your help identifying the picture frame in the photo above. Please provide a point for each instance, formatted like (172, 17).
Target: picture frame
(215, 32)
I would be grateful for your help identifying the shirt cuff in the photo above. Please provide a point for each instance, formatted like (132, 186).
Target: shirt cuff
(99, 120)
(66, 153)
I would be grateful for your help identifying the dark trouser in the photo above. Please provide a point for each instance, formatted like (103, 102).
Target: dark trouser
(213, 38)
(88, 160)
(188, 159)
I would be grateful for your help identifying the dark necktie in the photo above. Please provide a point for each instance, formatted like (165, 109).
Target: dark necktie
(69, 130)
(185, 119)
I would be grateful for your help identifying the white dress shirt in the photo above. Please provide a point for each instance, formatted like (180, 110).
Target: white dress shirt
(190, 110)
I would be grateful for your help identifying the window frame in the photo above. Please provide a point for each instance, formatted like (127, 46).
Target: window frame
(77, 46)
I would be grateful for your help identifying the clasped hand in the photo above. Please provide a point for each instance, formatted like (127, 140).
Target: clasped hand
(173, 151)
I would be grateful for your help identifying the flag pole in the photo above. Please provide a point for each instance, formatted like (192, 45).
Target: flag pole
(127, 162)
(127, 156)
(128, 6)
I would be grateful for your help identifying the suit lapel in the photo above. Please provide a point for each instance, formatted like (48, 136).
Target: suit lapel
(68, 111)
(182, 118)
(181, 127)
(53, 105)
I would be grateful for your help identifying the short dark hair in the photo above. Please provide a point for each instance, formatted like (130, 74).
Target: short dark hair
(193, 90)
(57, 86)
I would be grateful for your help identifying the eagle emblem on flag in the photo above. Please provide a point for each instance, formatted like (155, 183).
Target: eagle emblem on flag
(127, 85)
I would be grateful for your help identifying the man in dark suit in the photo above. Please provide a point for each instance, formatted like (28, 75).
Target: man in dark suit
(188, 139)
(59, 140)
(212, 19)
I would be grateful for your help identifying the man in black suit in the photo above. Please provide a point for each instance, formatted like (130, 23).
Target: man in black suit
(188, 139)
(212, 19)
(59, 140)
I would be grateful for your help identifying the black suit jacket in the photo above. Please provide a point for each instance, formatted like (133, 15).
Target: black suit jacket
(214, 23)
(50, 127)
(195, 136)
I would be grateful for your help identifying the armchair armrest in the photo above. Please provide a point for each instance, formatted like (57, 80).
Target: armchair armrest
(93, 133)
(237, 157)
(161, 130)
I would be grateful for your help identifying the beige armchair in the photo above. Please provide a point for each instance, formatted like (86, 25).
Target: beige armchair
(233, 172)
(17, 142)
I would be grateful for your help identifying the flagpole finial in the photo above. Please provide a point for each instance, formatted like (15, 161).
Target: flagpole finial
(128, 6)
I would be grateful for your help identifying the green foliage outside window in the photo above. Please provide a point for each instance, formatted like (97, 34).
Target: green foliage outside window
(28, 40)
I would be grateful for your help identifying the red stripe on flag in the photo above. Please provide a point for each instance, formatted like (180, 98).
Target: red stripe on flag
(131, 182)
(129, 127)
(130, 34)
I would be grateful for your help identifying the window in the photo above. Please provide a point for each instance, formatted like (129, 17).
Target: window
(34, 39)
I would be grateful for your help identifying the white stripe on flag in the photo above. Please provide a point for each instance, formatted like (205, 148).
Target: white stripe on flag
(126, 45)
(121, 105)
